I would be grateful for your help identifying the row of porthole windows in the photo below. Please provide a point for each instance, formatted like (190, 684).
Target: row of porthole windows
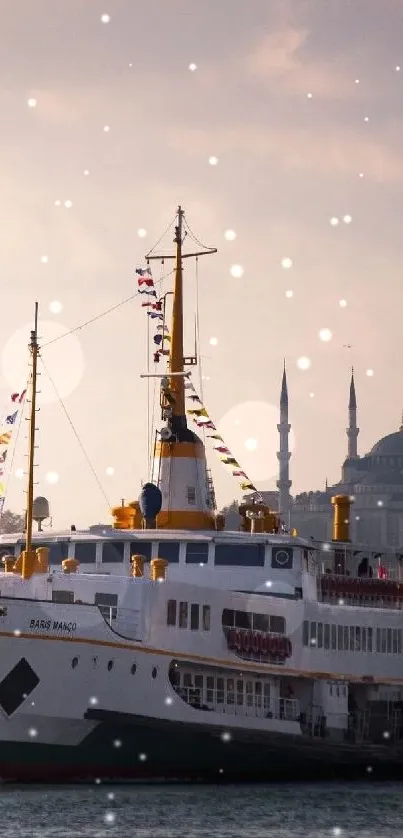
(111, 664)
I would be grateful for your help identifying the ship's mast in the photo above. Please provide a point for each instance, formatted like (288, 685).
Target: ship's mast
(177, 384)
(34, 350)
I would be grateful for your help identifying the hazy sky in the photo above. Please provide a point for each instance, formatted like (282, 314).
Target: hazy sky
(302, 104)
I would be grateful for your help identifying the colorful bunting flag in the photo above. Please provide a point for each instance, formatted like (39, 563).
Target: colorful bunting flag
(10, 419)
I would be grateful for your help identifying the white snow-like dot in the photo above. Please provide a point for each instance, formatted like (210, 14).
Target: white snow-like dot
(117, 743)
(341, 601)
(169, 700)
(336, 830)
(192, 67)
(93, 701)
(17, 632)
(110, 471)
(379, 502)
(286, 262)
(289, 294)
(32, 732)
(44, 260)
(110, 817)
(342, 303)
(386, 734)
(369, 769)
(98, 780)
(325, 335)
(58, 203)
(309, 95)
(55, 307)
(303, 363)
(369, 373)
(68, 204)
(347, 219)
(52, 477)
(213, 341)
(105, 19)
(110, 795)
(268, 583)
(230, 235)
(32, 103)
(19, 473)
(366, 118)
(311, 395)
(107, 129)
(251, 444)
(213, 160)
(334, 221)
(86, 172)
(236, 271)
(141, 232)
(142, 757)
(226, 736)
(361, 174)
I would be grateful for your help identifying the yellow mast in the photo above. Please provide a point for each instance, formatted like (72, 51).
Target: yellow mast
(28, 555)
(177, 384)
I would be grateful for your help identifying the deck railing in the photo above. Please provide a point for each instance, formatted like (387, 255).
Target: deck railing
(240, 704)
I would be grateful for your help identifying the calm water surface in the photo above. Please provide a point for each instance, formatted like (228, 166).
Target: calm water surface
(367, 810)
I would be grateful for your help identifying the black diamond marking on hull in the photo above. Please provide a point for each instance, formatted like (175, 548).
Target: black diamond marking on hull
(17, 685)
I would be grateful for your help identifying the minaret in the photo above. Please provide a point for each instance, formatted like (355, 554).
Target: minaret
(180, 457)
(352, 431)
(283, 456)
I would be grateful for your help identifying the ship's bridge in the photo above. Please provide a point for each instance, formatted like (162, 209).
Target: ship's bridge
(269, 564)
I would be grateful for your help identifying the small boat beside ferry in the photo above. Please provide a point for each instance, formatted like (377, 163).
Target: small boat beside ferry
(164, 646)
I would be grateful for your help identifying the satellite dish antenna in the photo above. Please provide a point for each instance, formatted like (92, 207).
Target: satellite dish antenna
(165, 433)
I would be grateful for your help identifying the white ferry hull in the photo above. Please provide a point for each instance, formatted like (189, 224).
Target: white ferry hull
(88, 723)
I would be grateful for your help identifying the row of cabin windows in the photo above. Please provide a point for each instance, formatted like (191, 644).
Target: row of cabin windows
(185, 615)
(352, 638)
(246, 555)
(212, 689)
(257, 622)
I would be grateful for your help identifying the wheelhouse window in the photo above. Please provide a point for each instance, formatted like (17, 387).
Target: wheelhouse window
(183, 615)
(169, 550)
(197, 552)
(194, 616)
(112, 552)
(63, 596)
(171, 612)
(85, 551)
(141, 548)
(107, 604)
(241, 555)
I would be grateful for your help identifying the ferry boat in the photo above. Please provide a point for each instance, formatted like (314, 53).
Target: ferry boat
(166, 647)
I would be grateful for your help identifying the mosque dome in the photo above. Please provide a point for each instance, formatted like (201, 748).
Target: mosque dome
(391, 445)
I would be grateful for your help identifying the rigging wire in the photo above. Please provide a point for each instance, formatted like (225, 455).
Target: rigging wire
(76, 435)
(196, 240)
(161, 237)
(99, 316)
